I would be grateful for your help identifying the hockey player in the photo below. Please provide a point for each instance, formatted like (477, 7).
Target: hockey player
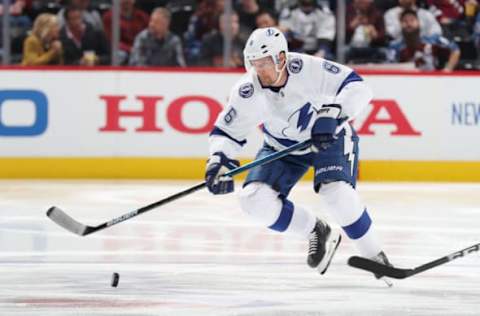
(296, 97)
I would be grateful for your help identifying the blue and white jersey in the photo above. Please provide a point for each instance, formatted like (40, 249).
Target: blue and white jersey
(288, 113)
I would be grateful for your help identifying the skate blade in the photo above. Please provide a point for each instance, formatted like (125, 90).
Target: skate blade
(332, 244)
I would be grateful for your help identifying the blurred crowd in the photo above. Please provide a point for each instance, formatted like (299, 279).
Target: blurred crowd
(429, 34)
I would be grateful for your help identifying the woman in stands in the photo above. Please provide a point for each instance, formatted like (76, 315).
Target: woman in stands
(42, 46)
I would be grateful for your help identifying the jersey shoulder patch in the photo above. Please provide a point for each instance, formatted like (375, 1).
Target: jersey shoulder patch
(295, 65)
(246, 90)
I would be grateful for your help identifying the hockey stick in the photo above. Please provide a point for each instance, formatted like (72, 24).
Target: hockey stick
(397, 273)
(70, 224)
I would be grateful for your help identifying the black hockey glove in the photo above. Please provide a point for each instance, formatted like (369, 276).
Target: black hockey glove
(217, 165)
(325, 126)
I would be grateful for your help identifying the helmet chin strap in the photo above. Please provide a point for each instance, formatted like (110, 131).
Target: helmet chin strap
(280, 72)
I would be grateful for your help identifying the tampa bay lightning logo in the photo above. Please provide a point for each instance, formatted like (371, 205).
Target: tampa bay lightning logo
(270, 32)
(246, 90)
(331, 67)
(295, 65)
(299, 120)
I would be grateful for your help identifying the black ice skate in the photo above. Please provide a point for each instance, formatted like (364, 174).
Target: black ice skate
(322, 246)
(381, 257)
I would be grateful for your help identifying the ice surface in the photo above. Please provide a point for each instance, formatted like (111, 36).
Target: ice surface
(201, 255)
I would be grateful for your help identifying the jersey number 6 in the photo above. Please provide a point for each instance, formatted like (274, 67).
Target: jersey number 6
(231, 114)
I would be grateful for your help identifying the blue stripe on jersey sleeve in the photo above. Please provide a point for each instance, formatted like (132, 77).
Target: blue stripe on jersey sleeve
(352, 77)
(217, 131)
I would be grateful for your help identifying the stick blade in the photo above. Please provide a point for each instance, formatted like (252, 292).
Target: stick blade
(378, 268)
(64, 220)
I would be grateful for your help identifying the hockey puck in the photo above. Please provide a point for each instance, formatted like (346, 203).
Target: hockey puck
(115, 279)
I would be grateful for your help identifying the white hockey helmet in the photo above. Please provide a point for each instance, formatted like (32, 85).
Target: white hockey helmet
(263, 42)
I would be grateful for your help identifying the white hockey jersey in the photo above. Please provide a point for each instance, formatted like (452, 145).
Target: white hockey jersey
(287, 115)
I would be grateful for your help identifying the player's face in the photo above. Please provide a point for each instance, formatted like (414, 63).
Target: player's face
(265, 68)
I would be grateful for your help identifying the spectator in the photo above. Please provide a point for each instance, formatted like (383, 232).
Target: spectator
(89, 15)
(265, 19)
(157, 46)
(82, 44)
(455, 17)
(212, 45)
(204, 20)
(284, 5)
(20, 24)
(312, 27)
(132, 22)
(19, 20)
(471, 8)
(427, 52)
(476, 34)
(446, 12)
(17, 7)
(428, 24)
(247, 11)
(42, 46)
(365, 32)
